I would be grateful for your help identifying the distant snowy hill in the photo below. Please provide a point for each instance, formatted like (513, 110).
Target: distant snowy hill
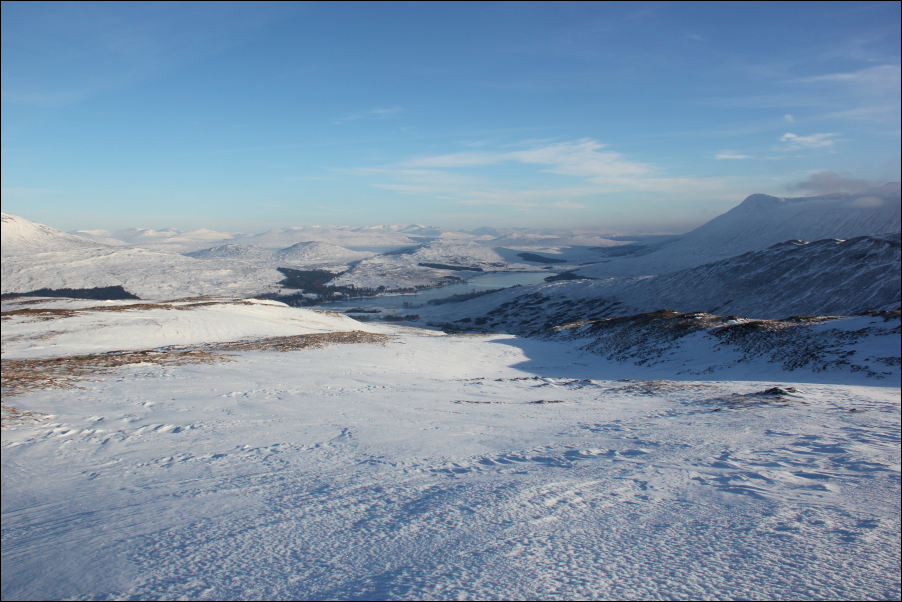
(318, 252)
(376, 239)
(828, 277)
(168, 239)
(36, 256)
(302, 253)
(22, 237)
(427, 264)
(757, 223)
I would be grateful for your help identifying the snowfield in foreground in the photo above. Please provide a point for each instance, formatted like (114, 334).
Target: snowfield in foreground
(417, 465)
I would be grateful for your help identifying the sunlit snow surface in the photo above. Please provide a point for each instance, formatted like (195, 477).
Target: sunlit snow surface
(421, 467)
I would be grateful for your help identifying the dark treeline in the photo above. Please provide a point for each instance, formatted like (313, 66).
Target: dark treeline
(314, 282)
(98, 292)
(539, 258)
(443, 266)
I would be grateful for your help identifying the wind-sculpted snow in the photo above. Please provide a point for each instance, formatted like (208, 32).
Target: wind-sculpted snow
(414, 465)
(827, 277)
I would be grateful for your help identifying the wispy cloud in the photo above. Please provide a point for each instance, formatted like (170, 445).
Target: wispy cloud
(729, 154)
(390, 113)
(583, 158)
(596, 171)
(879, 80)
(789, 118)
(813, 141)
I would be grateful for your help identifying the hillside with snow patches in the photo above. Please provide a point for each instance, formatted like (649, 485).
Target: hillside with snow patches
(827, 277)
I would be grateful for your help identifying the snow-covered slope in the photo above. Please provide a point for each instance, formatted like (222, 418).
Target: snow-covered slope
(36, 256)
(827, 277)
(99, 327)
(22, 237)
(757, 223)
(168, 239)
(424, 466)
(100, 236)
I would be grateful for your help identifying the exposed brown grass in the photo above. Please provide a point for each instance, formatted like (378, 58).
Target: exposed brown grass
(23, 376)
(54, 313)
(302, 341)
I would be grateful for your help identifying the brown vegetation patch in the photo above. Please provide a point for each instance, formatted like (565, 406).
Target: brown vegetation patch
(24, 376)
(54, 313)
(301, 341)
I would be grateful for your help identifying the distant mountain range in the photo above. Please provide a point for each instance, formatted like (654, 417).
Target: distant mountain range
(752, 260)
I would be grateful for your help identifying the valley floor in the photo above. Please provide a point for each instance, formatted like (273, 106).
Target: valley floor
(425, 466)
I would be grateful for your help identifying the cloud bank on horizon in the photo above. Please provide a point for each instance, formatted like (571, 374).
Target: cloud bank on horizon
(247, 116)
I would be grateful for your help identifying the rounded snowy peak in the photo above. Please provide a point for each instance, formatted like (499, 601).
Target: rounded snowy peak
(21, 236)
(319, 251)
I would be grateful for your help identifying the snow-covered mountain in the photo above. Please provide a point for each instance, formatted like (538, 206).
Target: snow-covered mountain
(828, 277)
(22, 237)
(300, 254)
(370, 239)
(757, 223)
(36, 256)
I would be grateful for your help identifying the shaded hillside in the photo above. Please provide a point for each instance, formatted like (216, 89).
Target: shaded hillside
(827, 277)
(700, 343)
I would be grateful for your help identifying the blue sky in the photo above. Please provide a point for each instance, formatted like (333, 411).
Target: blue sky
(622, 117)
